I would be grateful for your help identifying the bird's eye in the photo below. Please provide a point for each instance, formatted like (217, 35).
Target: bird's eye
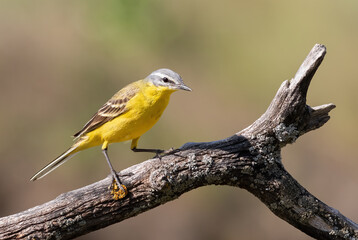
(165, 79)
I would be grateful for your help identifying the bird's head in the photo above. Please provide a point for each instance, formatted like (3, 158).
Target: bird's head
(167, 78)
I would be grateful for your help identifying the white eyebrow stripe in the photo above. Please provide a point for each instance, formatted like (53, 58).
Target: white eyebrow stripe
(161, 75)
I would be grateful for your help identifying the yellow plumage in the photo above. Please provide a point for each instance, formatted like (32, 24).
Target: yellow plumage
(142, 111)
(126, 116)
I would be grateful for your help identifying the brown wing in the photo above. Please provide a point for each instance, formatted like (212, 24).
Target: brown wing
(110, 110)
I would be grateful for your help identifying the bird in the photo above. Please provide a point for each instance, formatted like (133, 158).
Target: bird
(130, 113)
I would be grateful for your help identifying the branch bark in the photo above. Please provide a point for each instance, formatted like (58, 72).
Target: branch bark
(250, 159)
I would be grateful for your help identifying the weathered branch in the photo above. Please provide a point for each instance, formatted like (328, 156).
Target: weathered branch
(250, 159)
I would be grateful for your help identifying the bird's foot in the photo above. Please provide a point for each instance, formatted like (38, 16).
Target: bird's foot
(158, 153)
(162, 153)
(118, 191)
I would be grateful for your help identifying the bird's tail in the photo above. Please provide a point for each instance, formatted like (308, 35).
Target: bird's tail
(55, 163)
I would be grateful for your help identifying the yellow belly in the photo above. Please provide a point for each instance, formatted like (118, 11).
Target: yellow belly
(144, 110)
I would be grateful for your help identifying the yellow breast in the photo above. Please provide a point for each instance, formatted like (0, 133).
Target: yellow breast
(143, 111)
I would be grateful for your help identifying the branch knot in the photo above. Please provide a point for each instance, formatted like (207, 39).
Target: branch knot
(159, 179)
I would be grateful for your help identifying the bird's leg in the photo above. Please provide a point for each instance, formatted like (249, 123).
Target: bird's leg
(135, 149)
(156, 151)
(118, 190)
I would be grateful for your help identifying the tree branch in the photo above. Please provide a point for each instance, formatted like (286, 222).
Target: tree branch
(250, 159)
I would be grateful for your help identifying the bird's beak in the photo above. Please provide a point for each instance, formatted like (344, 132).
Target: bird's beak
(184, 87)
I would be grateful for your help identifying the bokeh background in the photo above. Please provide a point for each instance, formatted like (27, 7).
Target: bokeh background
(61, 60)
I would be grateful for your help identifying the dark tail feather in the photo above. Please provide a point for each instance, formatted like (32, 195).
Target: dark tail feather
(55, 163)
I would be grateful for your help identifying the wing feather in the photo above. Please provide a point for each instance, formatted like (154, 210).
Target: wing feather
(113, 108)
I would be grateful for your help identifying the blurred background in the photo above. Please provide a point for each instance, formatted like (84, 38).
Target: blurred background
(61, 60)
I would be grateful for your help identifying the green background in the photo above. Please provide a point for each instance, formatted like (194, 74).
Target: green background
(61, 60)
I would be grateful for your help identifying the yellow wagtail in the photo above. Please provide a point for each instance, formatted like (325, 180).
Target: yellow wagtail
(126, 116)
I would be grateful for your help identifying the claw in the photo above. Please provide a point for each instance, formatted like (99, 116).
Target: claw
(158, 153)
(165, 152)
